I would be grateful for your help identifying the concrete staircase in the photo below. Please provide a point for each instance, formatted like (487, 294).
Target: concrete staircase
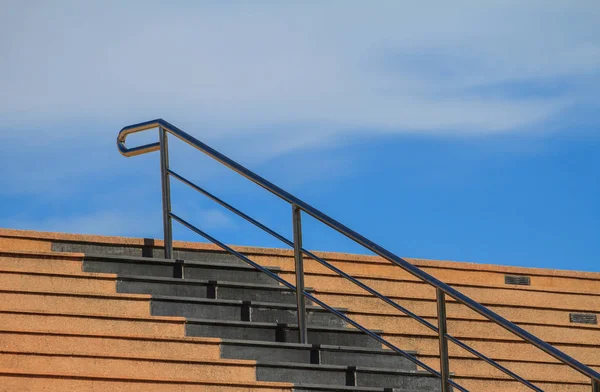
(89, 322)
(104, 313)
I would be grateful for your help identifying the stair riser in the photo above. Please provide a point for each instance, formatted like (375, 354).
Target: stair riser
(49, 283)
(236, 312)
(20, 301)
(419, 383)
(303, 355)
(34, 264)
(146, 251)
(108, 367)
(91, 345)
(190, 271)
(270, 334)
(341, 377)
(200, 290)
(301, 375)
(77, 324)
(59, 384)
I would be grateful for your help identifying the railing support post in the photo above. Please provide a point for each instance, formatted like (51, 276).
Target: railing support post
(300, 299)
(442, 331)
(595, 386)
(166, 192)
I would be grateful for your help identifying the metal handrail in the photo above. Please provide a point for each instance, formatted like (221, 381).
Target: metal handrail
(298, 205)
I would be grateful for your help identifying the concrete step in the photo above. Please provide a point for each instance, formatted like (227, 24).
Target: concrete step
(314, 354)
(64, 322)
(75, 282)
(146, 251)
(272, 332)
(40, 262)
(506, 296)
(334, 388)
(35, 381)
(82, 303)
(81, 343)
(221, 309)
(128, 265)
(205, 289)
(130, 366)
(346, 376)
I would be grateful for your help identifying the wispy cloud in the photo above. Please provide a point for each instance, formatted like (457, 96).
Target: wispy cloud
(344, 66)
(263, 82)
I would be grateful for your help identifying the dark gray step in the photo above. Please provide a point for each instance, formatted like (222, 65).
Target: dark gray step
(147, 251)
(200, 288)
(220, 309)
(128, 265)
(334, 388)
(271, 332)
(346, 376)
(315, 354)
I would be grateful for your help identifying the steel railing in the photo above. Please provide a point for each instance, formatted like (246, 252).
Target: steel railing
(299, 206)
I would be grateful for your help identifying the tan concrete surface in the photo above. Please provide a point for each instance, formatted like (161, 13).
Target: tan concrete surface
(48, 237)
(476, 329)
(490, 295)
(54, 282)
(449, 274)
(45, 342)
(516, 351)
(529, 370)
(477, 384)
(71, 303)
(213, 370)
(92, 324)
(428, 308)
(11, 381)
(40, 263)
(541, 308)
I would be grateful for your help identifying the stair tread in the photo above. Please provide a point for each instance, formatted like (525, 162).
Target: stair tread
(82, 275)
(155, 260)
(223, 361)
(58, 293)
(147, 278)
(328, 387)
(173, 298)
(329, 347)
(97, 315)
(182, 339)
(309, 366)
(265, 324)
(169, 380)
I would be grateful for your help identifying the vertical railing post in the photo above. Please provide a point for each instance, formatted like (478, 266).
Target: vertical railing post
(166, 192)
(442, 331)
(595, 386)
(300, 299)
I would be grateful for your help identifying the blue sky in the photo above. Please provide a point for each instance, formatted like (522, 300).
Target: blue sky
(460, 131)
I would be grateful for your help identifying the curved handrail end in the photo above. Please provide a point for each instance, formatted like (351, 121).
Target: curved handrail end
(125, 131)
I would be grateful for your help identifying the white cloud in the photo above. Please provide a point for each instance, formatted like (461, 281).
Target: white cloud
(341, 66)
(262, 80)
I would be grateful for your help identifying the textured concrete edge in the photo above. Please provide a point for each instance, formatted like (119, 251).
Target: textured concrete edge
(41, 374)
(77, 256)
(442, 264)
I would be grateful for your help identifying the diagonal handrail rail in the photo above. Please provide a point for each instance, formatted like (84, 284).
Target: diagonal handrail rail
(299, 205)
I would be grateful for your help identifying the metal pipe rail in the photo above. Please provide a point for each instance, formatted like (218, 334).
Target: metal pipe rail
(298, 206)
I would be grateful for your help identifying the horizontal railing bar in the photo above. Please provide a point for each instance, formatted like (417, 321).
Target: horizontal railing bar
(352, 279)
(311, 297)
(492, 363)
(356, 237)
(306, 252)
(231, 208)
